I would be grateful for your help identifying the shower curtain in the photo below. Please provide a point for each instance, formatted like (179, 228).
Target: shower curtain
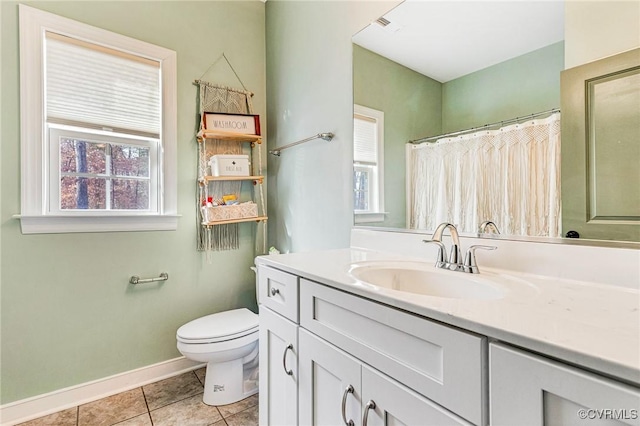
(510, 176)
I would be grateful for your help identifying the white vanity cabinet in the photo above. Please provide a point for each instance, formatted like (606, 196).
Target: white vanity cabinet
(518, 360)
(527, 389)
(338, 351)
(278, 299)
(329, 357)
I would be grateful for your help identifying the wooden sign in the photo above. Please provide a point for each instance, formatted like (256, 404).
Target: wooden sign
(246, 124)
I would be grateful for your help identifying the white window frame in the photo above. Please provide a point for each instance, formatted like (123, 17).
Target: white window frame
(376, 184)
(35, 216)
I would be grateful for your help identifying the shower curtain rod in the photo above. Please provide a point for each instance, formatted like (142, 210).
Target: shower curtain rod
(486, 126)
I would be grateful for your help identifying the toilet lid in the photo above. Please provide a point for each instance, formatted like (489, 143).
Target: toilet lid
(228, 324)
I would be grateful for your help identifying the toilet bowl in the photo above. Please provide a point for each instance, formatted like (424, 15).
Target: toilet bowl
(228, 343)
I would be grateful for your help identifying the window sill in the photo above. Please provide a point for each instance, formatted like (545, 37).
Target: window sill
(370, 217)
(73, 224)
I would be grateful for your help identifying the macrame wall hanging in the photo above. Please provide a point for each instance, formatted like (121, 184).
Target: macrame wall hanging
(220, 99)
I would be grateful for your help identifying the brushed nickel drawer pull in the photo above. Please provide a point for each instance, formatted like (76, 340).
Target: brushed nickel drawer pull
(284, 360)
(347, 391)
(370, 405)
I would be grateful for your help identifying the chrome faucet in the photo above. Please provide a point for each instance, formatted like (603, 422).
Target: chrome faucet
(455, 257)
(455, 262)
(487, 226)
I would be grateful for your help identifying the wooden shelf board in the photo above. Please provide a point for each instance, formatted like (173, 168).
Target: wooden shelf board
(244, 219)
(229, 136)
(224, 178)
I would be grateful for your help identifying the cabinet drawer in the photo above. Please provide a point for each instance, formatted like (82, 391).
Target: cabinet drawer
(278, 291)
(439, 362)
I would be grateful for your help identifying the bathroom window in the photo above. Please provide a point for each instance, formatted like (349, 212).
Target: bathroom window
(98, 138)
(102, 173)
(368, 181)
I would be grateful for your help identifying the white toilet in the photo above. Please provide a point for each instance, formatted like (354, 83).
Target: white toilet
(228, 343)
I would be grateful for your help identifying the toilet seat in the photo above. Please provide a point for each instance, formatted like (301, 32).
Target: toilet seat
(219, 327)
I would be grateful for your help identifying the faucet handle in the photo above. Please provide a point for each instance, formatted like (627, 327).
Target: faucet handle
(441, 252)
(470, 264)
(455, 256)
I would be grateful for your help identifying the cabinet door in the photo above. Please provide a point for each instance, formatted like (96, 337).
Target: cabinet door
(278, 389)
(325, 375)
(531, 390)
(397, 405)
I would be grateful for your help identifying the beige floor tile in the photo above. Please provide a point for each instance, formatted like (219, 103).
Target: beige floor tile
(171, 390)
(61, 418)
(201, 373)
(247, 417)
(113, 409)
(141, 420)
(228, 410)
(130, 409)
(191, 411)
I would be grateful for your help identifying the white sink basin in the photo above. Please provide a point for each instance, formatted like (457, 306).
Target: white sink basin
(424, 278)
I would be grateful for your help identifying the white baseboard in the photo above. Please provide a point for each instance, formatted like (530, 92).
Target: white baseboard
(41, 405)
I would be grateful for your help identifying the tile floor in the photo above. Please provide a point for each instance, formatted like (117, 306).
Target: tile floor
(176, 401)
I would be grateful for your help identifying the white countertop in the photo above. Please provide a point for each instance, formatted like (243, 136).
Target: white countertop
(594, 326)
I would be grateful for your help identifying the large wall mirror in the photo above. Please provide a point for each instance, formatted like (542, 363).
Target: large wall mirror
(463, 72)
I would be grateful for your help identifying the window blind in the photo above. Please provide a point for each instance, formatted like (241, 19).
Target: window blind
(92, 86)
(365, 140)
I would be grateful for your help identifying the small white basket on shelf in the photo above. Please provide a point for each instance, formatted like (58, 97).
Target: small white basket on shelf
(235, 211)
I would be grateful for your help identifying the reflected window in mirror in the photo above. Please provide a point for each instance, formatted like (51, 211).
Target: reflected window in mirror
(368, 160)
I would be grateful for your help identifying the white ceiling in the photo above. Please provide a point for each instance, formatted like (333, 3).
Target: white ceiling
(448, 39)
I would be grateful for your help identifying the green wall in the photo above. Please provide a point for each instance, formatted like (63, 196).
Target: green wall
(523, 85)
(412, 105)
(309, 59)
(68, 314)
